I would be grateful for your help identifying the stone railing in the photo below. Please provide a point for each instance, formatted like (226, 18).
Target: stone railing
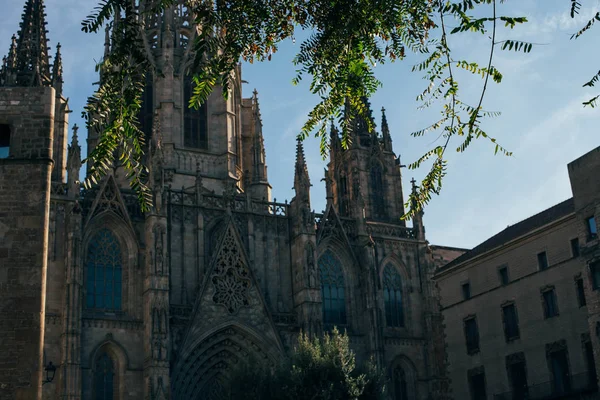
(187, 197)
(58, 189)
(189, 161)
(379, 229)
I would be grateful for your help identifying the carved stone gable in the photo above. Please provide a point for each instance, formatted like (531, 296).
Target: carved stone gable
(229, 294)
(230, 276)
(109, 199)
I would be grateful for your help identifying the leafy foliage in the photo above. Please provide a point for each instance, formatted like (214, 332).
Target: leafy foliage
(348, 39)
(575, 7)
(317, 369)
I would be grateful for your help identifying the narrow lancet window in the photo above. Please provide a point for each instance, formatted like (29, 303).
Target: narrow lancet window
(332, 290)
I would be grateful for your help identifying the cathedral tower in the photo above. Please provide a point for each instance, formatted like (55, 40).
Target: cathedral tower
(31, 111)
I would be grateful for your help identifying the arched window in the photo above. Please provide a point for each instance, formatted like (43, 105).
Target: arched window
(392, 294)
(332, 289)
(400, 383)
(377, 192)
(104, 378)
(104, 272)
(195, 121)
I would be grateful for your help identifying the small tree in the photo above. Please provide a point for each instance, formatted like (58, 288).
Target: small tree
(323, 369)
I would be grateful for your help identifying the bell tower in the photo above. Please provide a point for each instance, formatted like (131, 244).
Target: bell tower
(367, 174)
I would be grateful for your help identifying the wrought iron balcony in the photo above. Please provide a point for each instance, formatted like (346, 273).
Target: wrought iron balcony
(578, 385)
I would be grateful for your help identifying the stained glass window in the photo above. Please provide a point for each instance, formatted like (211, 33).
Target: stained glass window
(392, 294)
(400, 384)
(104, 378)
(332, 289)
(104, 272)
(195, 121)
(377, 192)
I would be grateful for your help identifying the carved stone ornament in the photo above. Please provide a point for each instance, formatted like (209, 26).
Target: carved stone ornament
(231, 277)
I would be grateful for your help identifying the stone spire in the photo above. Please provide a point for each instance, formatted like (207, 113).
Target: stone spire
(33, 66)
(335, 144)
(57, 71)
(385, 131)
(74, 164)
(301, 178)
(9, 65)
(418, 217)
(260, 167)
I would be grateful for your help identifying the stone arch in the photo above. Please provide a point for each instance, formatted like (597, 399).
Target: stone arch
(112, 351)
(128, 244)
(403, 379)
(212, 358)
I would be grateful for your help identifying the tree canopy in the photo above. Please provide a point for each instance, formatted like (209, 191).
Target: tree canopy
(319, 368)
(347, 39)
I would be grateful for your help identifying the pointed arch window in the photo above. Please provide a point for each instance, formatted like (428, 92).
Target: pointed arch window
(105, 383)
(392, 295)
(332, 289)
(104, 272)
(377, 192)
(195, 121)
(400, 383)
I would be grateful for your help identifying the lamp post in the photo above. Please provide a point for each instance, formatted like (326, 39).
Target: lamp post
(50, 372)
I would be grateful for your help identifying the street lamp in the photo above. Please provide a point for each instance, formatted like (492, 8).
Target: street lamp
(50, 372)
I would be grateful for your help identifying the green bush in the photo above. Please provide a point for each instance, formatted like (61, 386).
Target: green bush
(317, 369)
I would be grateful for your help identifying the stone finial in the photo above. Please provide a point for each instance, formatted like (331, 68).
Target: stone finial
(32, 60)
(57, 71)
(8, 68)
(385, 131)
(301, 178)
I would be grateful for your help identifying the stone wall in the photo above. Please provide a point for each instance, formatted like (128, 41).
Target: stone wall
(524, 290)
(24, 210)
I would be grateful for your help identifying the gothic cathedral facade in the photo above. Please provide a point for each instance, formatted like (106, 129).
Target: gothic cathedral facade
(162, 304)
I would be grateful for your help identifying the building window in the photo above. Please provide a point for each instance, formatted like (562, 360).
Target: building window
(471, 335)
(104, 272)
(392, 294)
(104, 378)
(511, 322)
(558, 363)
(580, 292)
(377, 192)
(503, 275)
(517, 375)
(542, 260)
(477, 384)
(332, 290)
(575, 247)
(592, 227)
(195, 121)
(591, 364)
(595, 270)
(550, 304)
(466, 291)
(4, 140)
(400, 384)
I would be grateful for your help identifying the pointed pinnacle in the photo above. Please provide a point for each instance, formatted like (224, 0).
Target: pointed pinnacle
(33, 67)
(75, 139)
(57, 68)
(12, 53)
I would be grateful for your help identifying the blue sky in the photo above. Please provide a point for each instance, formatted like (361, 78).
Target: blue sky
(542, 121)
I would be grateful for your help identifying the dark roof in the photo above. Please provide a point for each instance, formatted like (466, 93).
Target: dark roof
(517, 230)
